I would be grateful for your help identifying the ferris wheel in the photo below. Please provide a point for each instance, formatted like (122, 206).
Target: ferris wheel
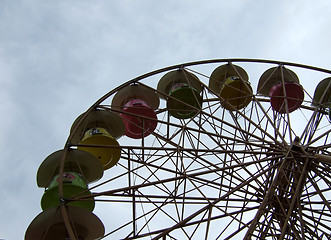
(215, 149)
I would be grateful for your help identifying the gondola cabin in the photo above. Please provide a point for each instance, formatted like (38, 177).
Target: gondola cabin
(97, 133)
(81, 162)
(322, 95)
(73, 184)
(108, 156)
(50, 225)
(137, 104)
(182, 91)
(230, 83)
(283, 87)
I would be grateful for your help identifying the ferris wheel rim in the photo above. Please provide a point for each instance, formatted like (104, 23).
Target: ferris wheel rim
(99, 102)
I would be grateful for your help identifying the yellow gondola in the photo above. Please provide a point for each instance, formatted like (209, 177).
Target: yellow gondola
(96, 133)
(231, 83)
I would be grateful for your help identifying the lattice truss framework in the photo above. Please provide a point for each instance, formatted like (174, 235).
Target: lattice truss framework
(252, 173)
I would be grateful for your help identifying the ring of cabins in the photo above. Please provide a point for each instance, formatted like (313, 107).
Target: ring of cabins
(133, 114)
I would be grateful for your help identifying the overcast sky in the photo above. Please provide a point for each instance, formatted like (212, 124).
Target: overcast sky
(58, 57)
